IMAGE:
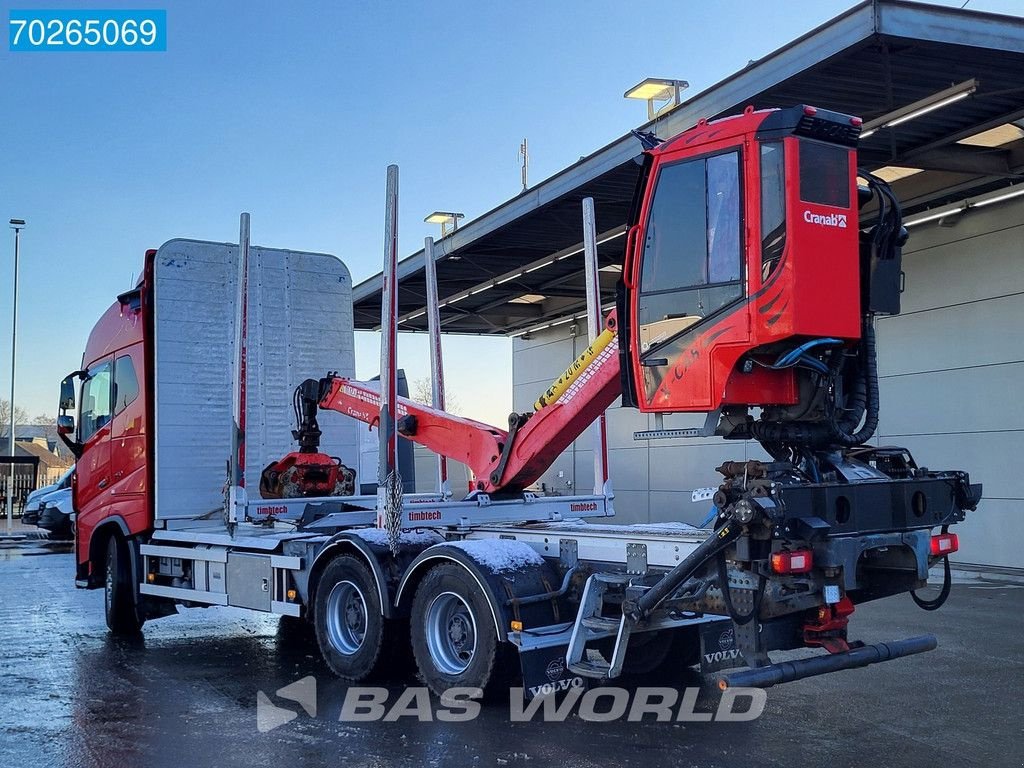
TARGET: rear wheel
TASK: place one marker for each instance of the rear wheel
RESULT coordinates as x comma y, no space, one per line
453,636
350,628
118,594
667,654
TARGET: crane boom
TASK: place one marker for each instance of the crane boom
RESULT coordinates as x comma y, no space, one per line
500,460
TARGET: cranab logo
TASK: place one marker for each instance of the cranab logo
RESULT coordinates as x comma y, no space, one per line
829,220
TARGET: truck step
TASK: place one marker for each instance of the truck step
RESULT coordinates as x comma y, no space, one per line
612,578
602,624
597,670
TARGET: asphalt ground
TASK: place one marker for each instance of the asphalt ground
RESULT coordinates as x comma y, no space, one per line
185,694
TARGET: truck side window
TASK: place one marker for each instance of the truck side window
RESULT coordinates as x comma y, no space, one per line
126,385
95,401
692,258
773,206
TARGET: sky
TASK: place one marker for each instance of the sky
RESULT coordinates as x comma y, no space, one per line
292,111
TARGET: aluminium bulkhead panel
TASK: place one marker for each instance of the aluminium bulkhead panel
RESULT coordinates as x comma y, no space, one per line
299,326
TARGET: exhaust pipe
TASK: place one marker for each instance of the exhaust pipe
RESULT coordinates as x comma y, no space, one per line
788,671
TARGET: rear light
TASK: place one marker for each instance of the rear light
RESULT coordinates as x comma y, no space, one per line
856,122
945,544
810,111
797,561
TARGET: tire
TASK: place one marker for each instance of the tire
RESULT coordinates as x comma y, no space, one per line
454,640
666,654
118,591
353,636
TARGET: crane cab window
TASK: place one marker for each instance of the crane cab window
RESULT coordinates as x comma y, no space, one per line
96,409
824,174
773,206
692,255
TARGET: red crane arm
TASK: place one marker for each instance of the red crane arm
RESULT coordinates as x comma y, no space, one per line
500,460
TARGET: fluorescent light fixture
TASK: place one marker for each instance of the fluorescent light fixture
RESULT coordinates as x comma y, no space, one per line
421,313
979,202
995,137
893,173
611,268
921,107
930,108
998,198
935,216
504,280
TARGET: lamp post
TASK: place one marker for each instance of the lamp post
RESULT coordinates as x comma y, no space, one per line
655,89
16,225
445,218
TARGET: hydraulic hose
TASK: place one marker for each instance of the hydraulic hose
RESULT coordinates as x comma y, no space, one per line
862,405
947,584
671,581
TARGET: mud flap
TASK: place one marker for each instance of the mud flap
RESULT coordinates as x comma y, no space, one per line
718,649
545,671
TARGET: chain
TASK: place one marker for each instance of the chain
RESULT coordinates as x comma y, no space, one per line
393,509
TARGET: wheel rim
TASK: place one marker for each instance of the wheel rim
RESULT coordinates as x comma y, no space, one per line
346,618
451,633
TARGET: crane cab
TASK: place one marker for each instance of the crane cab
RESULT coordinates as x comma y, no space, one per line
743,244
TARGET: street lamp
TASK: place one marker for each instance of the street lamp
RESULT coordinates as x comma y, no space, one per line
657,89
445,218
17,225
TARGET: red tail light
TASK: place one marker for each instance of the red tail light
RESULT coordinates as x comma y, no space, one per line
945,544
797,561
810,111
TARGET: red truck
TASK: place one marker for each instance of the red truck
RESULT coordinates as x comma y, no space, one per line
749,286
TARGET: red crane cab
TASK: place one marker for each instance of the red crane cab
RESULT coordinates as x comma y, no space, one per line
744,241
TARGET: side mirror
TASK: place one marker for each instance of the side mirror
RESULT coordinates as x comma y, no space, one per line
67,393
65,424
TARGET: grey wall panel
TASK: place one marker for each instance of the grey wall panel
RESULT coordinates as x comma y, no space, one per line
677,507
621,423
977,259
991,536
631,507
964,400
687,468
629,469
540,361
984,332
988,457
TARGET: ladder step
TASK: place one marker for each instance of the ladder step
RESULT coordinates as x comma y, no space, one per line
612,578
601,624
594,669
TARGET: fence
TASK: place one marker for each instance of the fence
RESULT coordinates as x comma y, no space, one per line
26,472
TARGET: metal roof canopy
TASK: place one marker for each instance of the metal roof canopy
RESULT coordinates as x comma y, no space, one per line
874,59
